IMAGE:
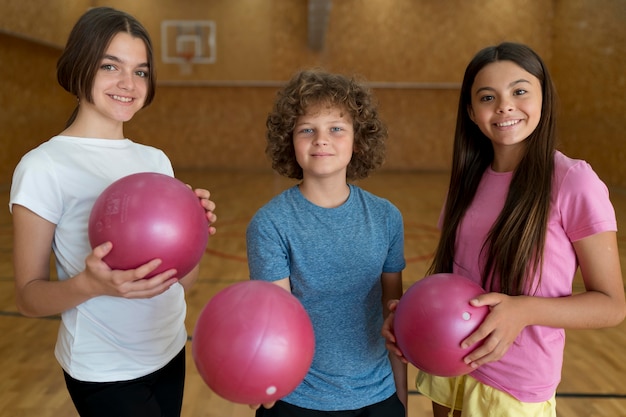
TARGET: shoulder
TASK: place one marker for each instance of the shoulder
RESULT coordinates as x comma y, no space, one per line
373,201
275,208
574,173
147,150
37,159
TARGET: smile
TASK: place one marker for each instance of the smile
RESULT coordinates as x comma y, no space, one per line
122,99
508,123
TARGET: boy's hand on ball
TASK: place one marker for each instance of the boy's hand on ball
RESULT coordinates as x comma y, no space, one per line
257,406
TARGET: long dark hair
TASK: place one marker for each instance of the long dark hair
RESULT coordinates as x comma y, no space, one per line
85,48
515,243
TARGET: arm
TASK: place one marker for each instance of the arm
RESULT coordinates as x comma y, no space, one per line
392,290
36,295
600,305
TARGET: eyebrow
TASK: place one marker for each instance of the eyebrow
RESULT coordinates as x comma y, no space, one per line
521,80
116,59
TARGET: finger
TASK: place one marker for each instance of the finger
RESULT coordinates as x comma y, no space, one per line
392,305
211,217
484,352
148,288
490,299
102,250
202,193
393,348
147,268
387,333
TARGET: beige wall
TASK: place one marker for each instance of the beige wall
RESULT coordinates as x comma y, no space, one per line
412,51
589,67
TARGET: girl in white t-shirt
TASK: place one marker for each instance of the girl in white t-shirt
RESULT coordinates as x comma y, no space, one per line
121,340
520,219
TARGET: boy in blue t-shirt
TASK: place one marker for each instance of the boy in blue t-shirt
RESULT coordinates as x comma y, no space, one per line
336,247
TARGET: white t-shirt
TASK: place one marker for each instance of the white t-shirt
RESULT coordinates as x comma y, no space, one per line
105,338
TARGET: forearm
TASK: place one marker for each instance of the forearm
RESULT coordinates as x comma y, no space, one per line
400,377
42,297
588,310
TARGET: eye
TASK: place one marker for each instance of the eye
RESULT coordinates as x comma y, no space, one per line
108,67
141,73
520,92
486,98
336,129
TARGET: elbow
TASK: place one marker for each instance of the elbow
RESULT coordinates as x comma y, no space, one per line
25,309
622,314
618,315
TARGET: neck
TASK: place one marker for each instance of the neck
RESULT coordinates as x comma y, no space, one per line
88,125
327,194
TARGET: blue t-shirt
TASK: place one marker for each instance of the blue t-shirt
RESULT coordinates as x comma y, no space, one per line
334,258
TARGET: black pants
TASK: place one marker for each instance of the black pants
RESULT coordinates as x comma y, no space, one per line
391,407
159,394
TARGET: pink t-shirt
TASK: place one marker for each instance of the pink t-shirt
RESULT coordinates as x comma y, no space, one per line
531,369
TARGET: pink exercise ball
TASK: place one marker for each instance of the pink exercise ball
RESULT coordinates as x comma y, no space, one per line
253,343
147,216
432,319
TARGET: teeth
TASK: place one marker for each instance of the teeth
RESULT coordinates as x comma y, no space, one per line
123,99
509,123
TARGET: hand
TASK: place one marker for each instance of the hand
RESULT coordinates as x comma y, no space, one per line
209,206
266,405
499,330
388,334
102,280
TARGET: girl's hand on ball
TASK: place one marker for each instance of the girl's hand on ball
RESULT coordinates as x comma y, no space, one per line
209,206
500,328
388,334
102,280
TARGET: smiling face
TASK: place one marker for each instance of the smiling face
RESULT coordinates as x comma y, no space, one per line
121,82
323,140
506,104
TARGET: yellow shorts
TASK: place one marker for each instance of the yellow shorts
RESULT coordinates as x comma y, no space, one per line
476,399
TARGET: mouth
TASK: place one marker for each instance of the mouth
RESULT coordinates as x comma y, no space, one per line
121,99
508,123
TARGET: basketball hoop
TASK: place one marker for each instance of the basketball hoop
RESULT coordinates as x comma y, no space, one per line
185,64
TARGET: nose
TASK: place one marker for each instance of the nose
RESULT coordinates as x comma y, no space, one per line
505,105
126,80
320,139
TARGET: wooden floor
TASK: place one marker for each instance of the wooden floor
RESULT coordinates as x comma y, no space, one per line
594,374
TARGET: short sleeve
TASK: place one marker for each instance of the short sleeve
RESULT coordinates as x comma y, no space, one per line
35,186
584,204
267,251
395,261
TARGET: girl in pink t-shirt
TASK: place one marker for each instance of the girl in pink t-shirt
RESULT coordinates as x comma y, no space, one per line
520,219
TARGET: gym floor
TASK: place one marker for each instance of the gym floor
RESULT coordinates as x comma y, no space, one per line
32,384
